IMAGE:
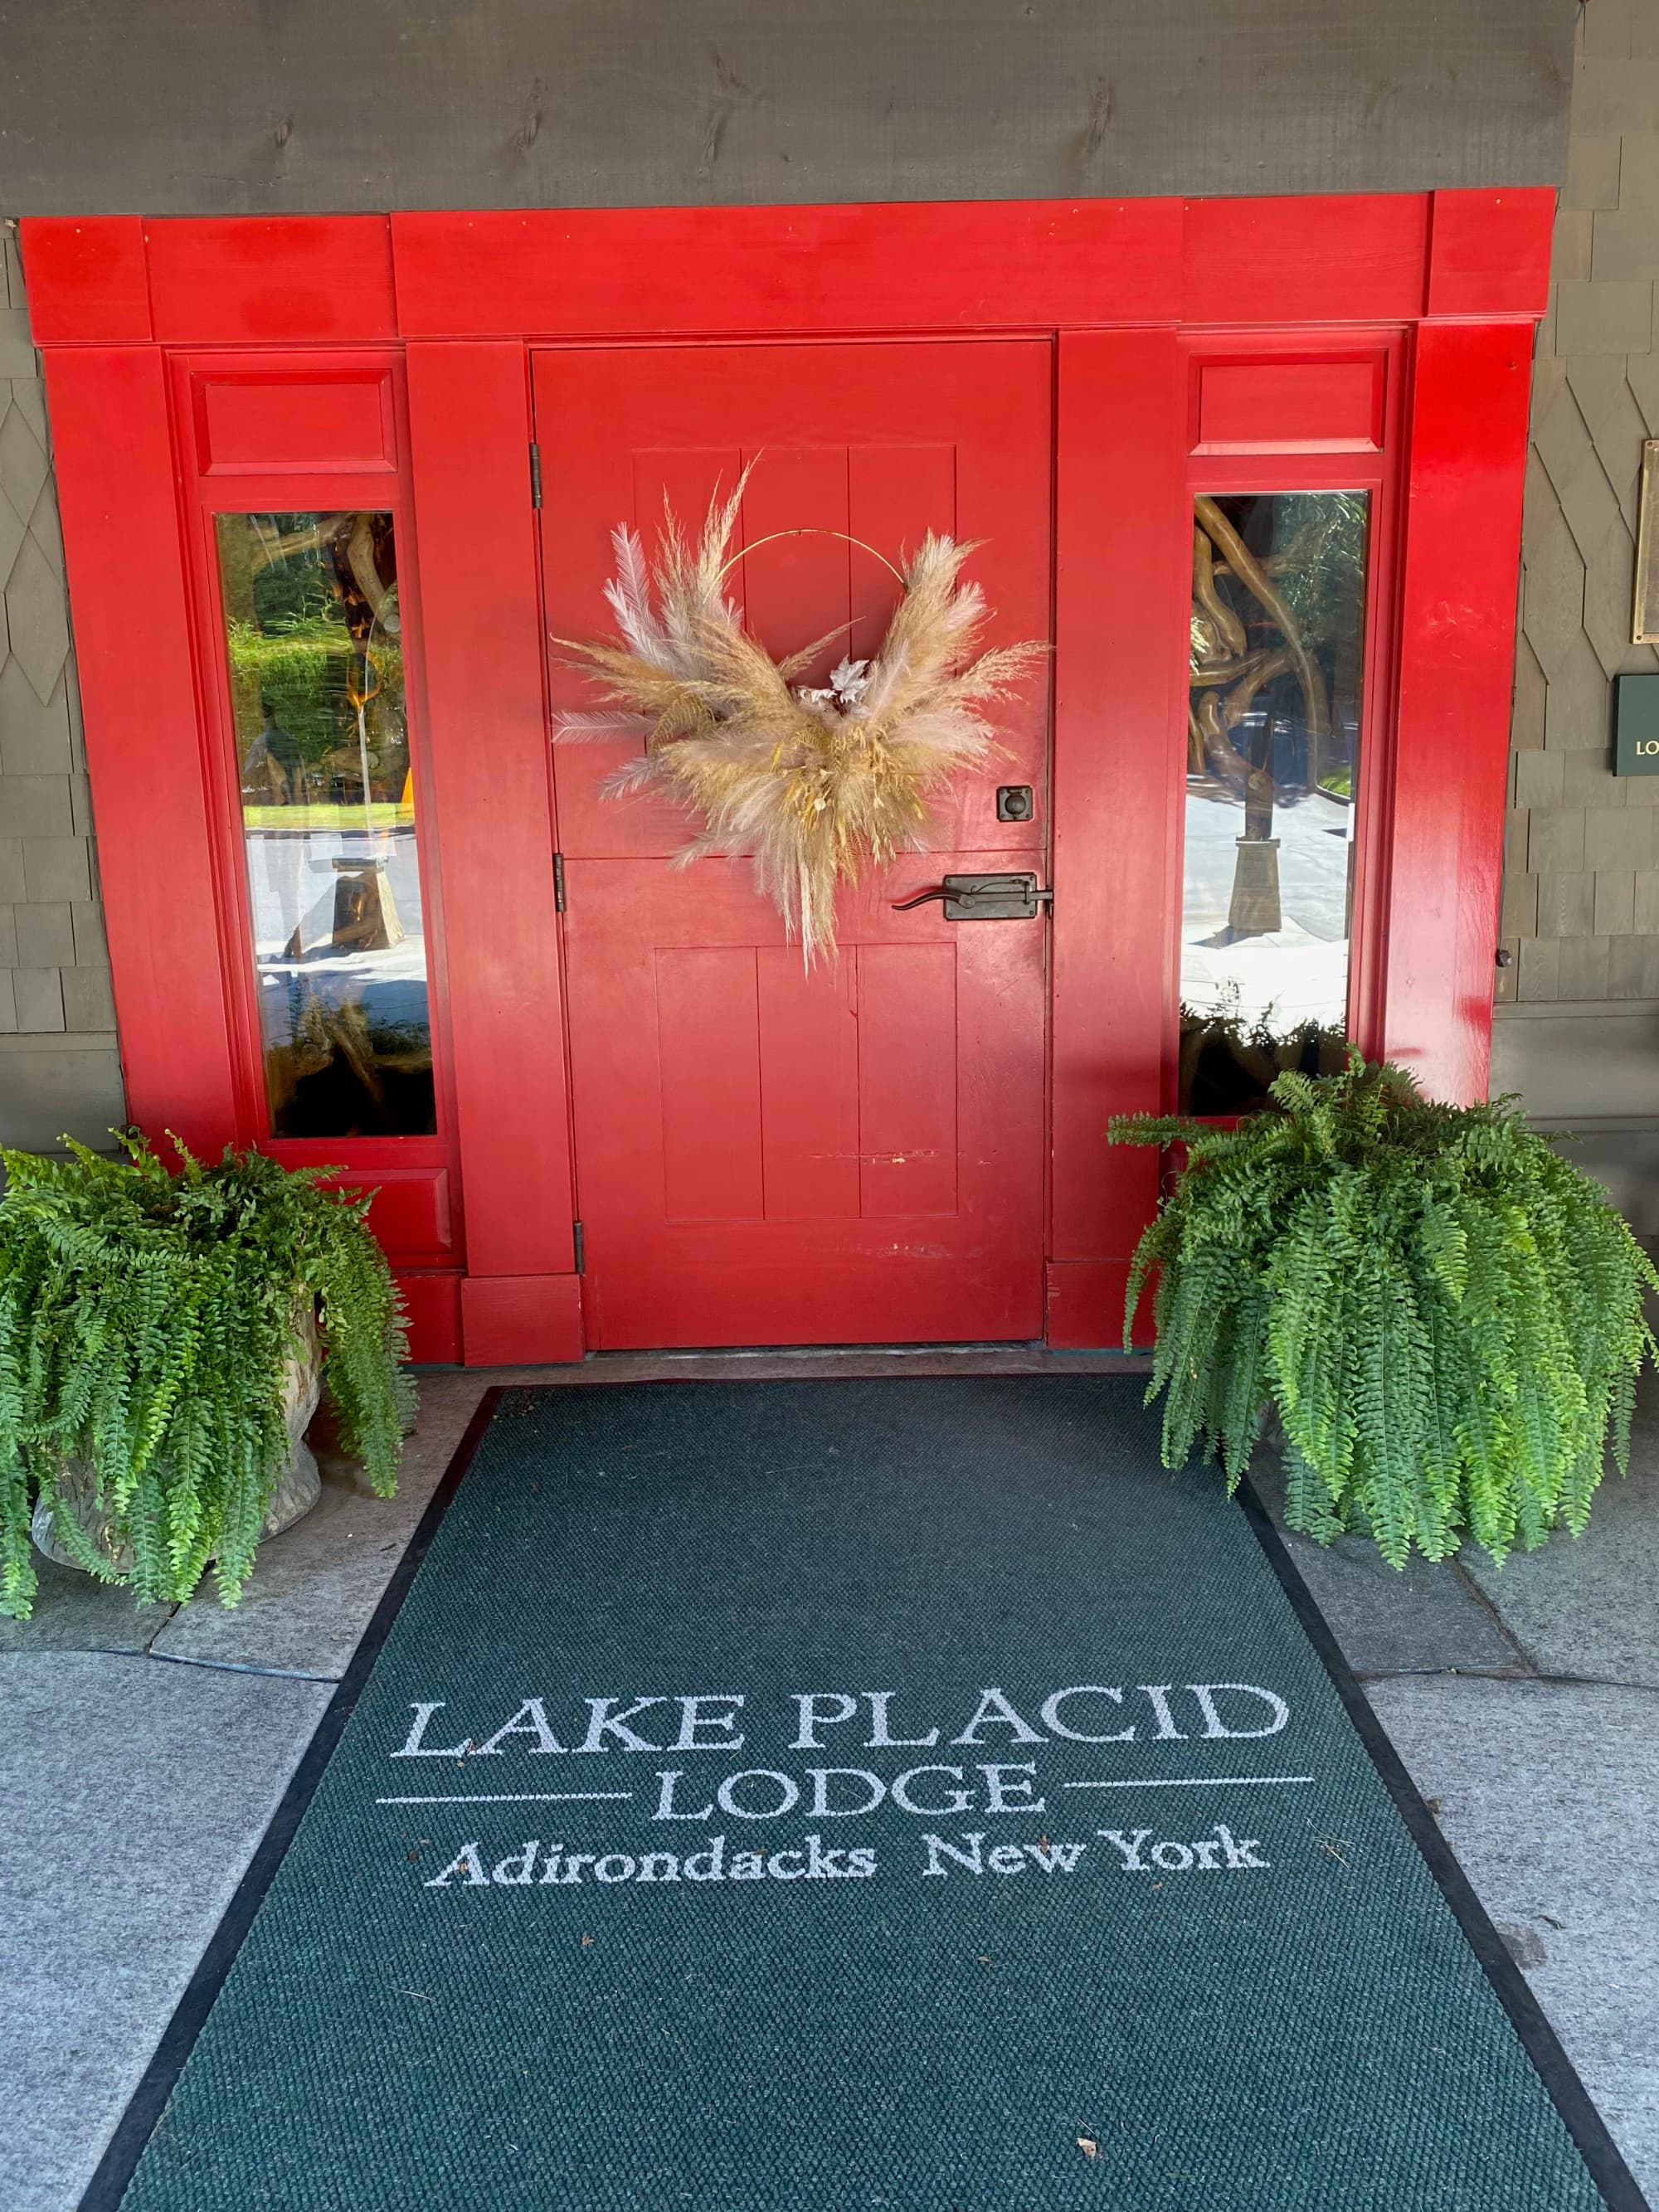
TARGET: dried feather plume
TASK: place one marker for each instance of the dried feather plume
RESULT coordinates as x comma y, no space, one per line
819,785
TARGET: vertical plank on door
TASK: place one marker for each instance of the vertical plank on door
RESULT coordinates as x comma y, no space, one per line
709,1046
895,495
810,1087
796,588
907,1007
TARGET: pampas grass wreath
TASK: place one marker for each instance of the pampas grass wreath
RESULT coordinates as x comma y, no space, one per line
819,785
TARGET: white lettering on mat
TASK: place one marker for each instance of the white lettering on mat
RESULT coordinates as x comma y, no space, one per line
1030,1741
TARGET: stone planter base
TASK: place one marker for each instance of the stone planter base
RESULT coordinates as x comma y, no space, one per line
298,1487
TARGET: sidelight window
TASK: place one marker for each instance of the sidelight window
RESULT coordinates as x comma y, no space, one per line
314,637
1277,655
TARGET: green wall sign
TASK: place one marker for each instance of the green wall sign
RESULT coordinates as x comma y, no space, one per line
1635,725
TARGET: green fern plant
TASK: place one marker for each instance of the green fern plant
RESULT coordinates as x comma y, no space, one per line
146,1320
1446,1315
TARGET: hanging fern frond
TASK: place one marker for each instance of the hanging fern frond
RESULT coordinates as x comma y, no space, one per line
147,1319
1446,1315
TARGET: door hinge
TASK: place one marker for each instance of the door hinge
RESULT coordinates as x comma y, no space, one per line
576,1246
558,883
535,474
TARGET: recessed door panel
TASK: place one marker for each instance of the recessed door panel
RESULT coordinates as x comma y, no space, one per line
766,1155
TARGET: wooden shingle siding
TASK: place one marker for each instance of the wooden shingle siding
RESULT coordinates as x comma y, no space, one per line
58,1064
617,103
1580,906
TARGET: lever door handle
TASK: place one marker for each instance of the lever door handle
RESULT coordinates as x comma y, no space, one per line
1014,898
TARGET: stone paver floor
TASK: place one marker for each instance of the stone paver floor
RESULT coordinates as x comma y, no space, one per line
142,1753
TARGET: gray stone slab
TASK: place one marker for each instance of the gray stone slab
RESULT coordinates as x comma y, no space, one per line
132,1798
1548,1793
1419,1618
73,1613
314,1589
1585,1608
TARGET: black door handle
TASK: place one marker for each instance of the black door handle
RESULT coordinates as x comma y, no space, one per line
984,898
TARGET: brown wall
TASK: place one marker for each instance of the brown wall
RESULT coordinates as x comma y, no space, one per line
239,107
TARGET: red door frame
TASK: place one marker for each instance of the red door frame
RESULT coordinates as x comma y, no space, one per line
1139,297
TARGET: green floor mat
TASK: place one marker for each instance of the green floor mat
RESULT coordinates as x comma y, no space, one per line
851,1796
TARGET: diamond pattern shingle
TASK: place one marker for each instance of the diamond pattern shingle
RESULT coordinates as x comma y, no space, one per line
22,461
1591,924
37,619
54,972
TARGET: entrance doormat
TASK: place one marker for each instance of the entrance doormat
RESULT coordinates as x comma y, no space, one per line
853,1796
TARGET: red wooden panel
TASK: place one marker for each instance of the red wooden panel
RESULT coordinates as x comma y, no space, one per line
432,1304
895,495
935,1065
809,1038
1467,458
119,499
636,486
794,1279
796,588
709,1053
521,1320
1123,554
481,630
410,1212
1085,1305
907,1076
86,278
1289,406
1356,256
1489,253
307,422
300,278
636,272
897,486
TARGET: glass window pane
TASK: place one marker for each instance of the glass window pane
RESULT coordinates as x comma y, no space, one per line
315,645
1278,630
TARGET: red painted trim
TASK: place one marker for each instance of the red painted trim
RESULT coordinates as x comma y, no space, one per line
1119,652
615,273
1489,253
87,280
115,490
1348,257
521,1321
264,280
432,1304
627,272
469,409
1085,1303
1470,391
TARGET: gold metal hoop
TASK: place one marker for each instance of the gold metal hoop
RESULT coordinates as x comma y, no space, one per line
809,530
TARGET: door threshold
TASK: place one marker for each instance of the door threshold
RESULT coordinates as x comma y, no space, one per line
807,1362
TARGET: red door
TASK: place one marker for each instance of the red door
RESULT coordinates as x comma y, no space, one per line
763,1156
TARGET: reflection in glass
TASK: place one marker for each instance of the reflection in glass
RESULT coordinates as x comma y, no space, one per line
314,640
1273,758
